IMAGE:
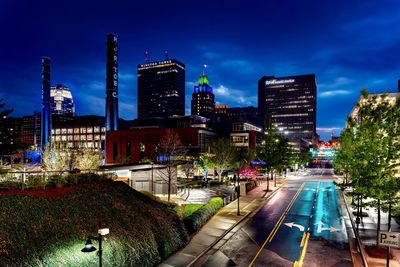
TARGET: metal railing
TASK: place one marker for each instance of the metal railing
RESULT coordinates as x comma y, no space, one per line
36,179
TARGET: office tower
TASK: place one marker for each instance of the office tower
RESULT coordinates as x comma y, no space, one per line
234,114
61,100
46,112
31,130
112,83
161,89
203,103
289,103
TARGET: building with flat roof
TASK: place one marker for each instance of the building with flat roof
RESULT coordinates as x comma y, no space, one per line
289,103
132,146
161,89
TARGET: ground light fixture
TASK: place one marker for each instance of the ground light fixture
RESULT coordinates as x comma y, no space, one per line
89,247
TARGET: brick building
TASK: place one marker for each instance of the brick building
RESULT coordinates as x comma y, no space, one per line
130,146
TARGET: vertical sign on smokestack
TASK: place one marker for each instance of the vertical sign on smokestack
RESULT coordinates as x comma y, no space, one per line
46,112
112,83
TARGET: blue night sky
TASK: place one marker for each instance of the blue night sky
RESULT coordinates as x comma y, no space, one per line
349,45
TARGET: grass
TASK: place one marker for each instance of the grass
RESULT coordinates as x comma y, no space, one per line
185,210
41,231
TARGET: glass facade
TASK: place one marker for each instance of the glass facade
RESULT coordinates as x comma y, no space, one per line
289,103
61,100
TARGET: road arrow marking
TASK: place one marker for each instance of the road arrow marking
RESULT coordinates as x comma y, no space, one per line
330,229
301,227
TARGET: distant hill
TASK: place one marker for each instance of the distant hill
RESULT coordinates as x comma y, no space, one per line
51,231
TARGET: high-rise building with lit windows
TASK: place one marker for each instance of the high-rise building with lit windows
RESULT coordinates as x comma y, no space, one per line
203,103
161,89
61,100
289,103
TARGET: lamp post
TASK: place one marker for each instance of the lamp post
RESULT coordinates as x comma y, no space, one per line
236,178
89,244
152,178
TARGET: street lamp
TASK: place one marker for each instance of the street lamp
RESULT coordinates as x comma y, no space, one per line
152,178
236,178
89,244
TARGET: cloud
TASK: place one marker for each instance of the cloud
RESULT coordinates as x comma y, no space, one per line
234,96
334,93
337,82
126,76
329,129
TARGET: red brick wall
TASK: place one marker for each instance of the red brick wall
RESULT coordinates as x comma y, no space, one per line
149,137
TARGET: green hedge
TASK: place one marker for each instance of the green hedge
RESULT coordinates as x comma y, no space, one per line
195,221
51,232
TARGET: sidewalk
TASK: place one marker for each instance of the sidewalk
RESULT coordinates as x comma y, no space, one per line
375,257
220,226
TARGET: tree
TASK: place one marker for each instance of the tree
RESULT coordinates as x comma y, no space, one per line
58,157
188,169
170,151
370,151
344,155
89,159
204,163
248,172
275,151
223,154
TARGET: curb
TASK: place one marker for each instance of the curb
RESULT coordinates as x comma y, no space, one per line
230,229
359,244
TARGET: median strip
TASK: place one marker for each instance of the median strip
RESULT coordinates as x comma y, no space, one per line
303,252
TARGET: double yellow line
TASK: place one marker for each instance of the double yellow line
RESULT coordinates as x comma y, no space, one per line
278,224
303,244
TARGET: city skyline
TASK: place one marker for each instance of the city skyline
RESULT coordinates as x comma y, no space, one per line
353,46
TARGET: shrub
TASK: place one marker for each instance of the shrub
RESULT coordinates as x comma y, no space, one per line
195,221
35,181
251,184
51,232
55,180
215,183
84,178
185,210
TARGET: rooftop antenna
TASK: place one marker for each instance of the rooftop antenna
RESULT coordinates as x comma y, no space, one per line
204,68
146,56
166,54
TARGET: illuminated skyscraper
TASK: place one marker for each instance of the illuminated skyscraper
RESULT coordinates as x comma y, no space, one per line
46,106
203,103
161,89
61,100
112,83
290,104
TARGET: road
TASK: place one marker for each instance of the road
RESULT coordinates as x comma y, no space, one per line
305,208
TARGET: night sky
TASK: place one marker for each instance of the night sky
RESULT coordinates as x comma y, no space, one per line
349,45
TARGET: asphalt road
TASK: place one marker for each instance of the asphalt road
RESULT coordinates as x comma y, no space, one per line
305,207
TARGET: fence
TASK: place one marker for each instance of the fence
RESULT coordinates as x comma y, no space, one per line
42,179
